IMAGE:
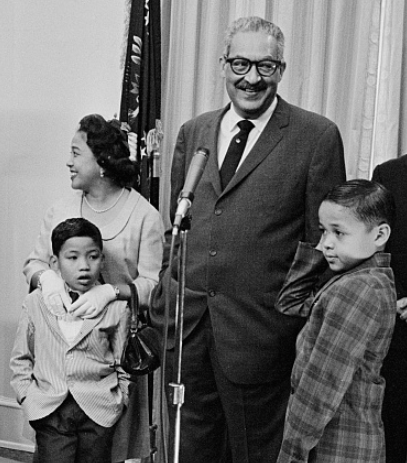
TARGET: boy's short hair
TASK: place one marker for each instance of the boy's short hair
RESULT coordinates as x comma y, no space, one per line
370,202
72,228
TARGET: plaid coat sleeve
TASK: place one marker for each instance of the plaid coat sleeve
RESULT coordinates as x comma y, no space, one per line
297,292
342,333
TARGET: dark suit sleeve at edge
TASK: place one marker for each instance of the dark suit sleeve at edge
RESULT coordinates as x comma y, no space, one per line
327,169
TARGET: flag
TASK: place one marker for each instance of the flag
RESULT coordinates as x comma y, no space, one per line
141,92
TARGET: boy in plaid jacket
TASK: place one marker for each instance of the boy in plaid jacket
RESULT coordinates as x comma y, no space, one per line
334,411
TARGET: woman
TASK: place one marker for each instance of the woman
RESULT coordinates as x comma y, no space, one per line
132,230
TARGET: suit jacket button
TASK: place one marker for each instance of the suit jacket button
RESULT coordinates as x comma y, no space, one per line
218,211
211,293
213,252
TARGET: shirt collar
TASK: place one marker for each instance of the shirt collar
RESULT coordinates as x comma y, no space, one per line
378,259
232,117
68,289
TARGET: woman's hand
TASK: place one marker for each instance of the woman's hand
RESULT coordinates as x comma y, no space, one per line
402,308
91,303
53,292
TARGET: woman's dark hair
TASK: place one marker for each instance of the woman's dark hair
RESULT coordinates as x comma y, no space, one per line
370,202
72,228
110,147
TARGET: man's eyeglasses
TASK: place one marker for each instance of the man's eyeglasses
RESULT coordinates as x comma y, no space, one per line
265,67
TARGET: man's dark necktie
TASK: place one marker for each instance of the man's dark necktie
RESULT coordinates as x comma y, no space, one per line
234,152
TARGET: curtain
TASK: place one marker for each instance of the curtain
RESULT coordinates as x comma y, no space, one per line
345,60
387,127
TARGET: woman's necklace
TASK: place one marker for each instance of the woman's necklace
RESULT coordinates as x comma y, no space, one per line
100,211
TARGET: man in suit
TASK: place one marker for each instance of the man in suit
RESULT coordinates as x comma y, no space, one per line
393,175
238,350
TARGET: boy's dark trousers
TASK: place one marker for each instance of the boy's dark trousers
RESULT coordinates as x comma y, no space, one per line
68,435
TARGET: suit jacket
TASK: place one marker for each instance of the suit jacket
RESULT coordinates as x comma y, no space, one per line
334,411
45,367
393,175
243,239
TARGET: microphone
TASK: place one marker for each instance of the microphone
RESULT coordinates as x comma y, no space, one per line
194,175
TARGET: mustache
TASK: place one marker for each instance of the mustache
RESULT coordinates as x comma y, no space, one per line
256,88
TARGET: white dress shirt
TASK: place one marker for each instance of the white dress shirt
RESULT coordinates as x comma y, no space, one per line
229,128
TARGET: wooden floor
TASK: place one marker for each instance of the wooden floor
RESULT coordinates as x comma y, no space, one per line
12,456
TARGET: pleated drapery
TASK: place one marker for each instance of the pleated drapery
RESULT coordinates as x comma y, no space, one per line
344,60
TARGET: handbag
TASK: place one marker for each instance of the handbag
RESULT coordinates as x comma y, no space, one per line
141,353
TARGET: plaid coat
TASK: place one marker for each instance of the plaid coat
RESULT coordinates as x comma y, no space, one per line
334,411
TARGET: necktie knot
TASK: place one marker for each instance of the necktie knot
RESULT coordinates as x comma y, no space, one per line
245,125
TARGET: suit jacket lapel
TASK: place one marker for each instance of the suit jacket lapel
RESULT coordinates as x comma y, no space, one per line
266,143
88,325
51,320
211,138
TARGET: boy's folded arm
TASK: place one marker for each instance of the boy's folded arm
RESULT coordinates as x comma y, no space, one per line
307,267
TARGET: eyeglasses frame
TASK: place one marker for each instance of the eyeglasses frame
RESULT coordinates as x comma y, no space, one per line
279,63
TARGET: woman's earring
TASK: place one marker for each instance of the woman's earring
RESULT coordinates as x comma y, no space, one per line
102,174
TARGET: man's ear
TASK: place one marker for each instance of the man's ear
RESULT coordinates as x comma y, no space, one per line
282,69
383,234
222,64
54,263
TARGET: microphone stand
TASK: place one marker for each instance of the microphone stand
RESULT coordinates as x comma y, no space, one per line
178,388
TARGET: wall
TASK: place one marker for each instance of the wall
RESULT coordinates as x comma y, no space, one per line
60,61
